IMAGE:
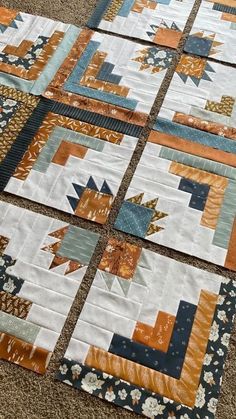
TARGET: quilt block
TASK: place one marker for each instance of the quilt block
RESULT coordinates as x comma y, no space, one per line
213,32
42,263
71,165
32,49
182,194
204,93
111,76
159,21
148,344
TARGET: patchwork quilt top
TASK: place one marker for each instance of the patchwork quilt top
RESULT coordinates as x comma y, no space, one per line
148,344
159,21
153,333
213,32
42,263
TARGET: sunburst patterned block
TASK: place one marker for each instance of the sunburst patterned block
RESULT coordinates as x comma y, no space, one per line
159,21
70,164
152,336
182,193
32,49
213,31
42,263
111,76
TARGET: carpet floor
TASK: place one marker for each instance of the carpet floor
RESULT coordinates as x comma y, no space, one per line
24,394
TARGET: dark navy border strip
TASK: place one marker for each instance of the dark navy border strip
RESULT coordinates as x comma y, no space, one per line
19,147
224,8
97,119
96,17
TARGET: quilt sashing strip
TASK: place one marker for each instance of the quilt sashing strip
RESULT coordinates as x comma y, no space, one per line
111,76
147,345
32,49
160,22
213,31
182,195
42,263
69,164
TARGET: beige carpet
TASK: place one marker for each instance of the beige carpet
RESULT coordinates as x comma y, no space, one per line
24,394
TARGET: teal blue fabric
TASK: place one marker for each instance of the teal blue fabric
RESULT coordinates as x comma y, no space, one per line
195,135
134,219
198,162
226,218
78,244
56,60
126,8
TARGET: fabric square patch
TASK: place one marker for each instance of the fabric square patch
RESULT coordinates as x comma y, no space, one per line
159,21
15,110
134,218
70,164
213,31
111,76
202,96
32,49
184,173
42,263
148,344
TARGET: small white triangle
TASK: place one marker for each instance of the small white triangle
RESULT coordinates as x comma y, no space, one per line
61,269
116,288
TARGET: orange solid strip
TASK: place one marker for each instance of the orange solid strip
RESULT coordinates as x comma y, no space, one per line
183,390
229,17
186,146
67,149
19,51
230,261
24,354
